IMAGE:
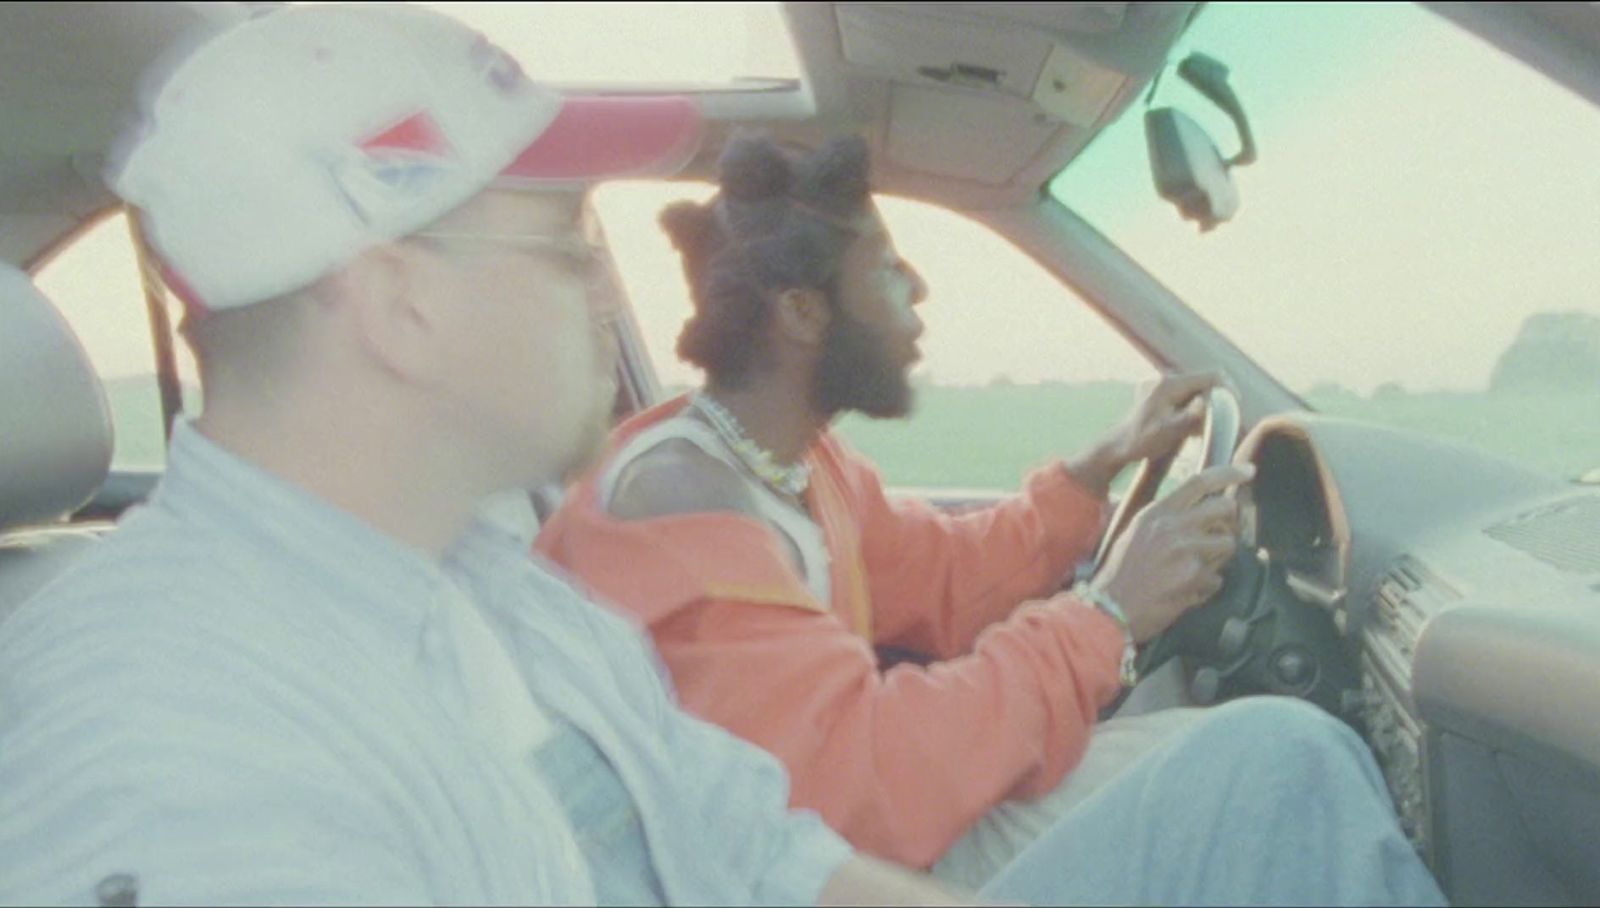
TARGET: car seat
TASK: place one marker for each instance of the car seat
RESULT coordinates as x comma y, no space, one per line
55,441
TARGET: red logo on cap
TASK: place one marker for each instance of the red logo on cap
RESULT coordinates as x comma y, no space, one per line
417,132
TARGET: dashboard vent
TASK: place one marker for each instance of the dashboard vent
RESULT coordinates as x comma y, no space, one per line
1405,598
1565,535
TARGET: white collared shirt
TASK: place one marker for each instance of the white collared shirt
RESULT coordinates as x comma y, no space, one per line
246,695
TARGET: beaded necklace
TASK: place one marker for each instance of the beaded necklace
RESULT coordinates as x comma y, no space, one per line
791,480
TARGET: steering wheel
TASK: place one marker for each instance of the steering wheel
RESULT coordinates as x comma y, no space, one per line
1218,435
1255,634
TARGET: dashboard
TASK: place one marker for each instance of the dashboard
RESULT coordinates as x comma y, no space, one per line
1447,605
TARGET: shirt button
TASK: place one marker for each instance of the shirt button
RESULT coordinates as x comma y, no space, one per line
120,890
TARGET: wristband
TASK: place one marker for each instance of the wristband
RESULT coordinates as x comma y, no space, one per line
1102,601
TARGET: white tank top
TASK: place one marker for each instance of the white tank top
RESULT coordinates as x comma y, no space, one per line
777,513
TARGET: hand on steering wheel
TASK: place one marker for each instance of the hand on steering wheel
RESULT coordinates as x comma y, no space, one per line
1161,560
1170,558
1200,399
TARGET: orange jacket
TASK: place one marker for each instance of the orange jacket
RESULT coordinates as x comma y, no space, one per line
900,762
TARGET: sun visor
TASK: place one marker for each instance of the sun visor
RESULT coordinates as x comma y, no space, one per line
985,53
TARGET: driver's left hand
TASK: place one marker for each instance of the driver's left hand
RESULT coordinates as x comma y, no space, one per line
1169,412
1165,414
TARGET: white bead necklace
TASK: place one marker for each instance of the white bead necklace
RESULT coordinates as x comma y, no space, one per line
790,480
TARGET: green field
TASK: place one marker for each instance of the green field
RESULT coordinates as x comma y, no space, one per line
988,438
136,419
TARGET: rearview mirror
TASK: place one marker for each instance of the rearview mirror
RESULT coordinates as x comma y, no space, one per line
1189,171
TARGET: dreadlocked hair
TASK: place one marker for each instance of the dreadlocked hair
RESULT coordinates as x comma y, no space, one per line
781,221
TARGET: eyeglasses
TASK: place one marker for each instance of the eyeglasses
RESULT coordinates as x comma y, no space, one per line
585,255
582,252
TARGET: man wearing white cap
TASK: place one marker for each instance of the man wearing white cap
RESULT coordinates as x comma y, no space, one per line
307,671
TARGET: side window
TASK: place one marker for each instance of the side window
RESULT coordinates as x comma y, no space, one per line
95,284
1016,369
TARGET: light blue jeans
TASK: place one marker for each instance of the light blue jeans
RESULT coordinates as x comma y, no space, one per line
1265,801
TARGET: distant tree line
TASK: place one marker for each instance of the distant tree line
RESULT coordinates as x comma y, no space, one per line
1554,351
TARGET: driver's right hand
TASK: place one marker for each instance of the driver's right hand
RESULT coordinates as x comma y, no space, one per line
1170,559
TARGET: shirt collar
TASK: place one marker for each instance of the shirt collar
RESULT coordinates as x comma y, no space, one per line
316,540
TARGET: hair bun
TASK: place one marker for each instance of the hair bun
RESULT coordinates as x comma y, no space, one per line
838,175
753,169
689,226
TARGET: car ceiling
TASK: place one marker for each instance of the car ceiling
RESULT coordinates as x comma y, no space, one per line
68,74
1028,84
1047,77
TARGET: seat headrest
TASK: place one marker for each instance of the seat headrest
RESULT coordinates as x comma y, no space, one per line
55,427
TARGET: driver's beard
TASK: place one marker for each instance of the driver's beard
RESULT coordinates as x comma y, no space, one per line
856,373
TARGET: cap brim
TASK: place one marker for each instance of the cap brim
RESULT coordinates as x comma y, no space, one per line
598,138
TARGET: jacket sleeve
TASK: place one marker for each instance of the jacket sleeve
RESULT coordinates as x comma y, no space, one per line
901,763
936,579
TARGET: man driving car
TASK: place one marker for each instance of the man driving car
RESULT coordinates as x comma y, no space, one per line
768,561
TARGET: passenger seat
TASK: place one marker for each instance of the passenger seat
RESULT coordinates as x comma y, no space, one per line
55,441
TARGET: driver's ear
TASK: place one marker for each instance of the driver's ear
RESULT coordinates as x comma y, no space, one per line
802,316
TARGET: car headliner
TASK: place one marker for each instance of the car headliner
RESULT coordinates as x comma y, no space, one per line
68,73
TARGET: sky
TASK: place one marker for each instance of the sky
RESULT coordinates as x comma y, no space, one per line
1418,195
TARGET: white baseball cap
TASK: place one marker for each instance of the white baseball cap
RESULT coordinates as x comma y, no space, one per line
281,148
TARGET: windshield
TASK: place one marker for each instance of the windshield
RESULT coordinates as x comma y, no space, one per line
1419,243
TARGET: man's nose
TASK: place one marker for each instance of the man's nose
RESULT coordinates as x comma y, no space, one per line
919,287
